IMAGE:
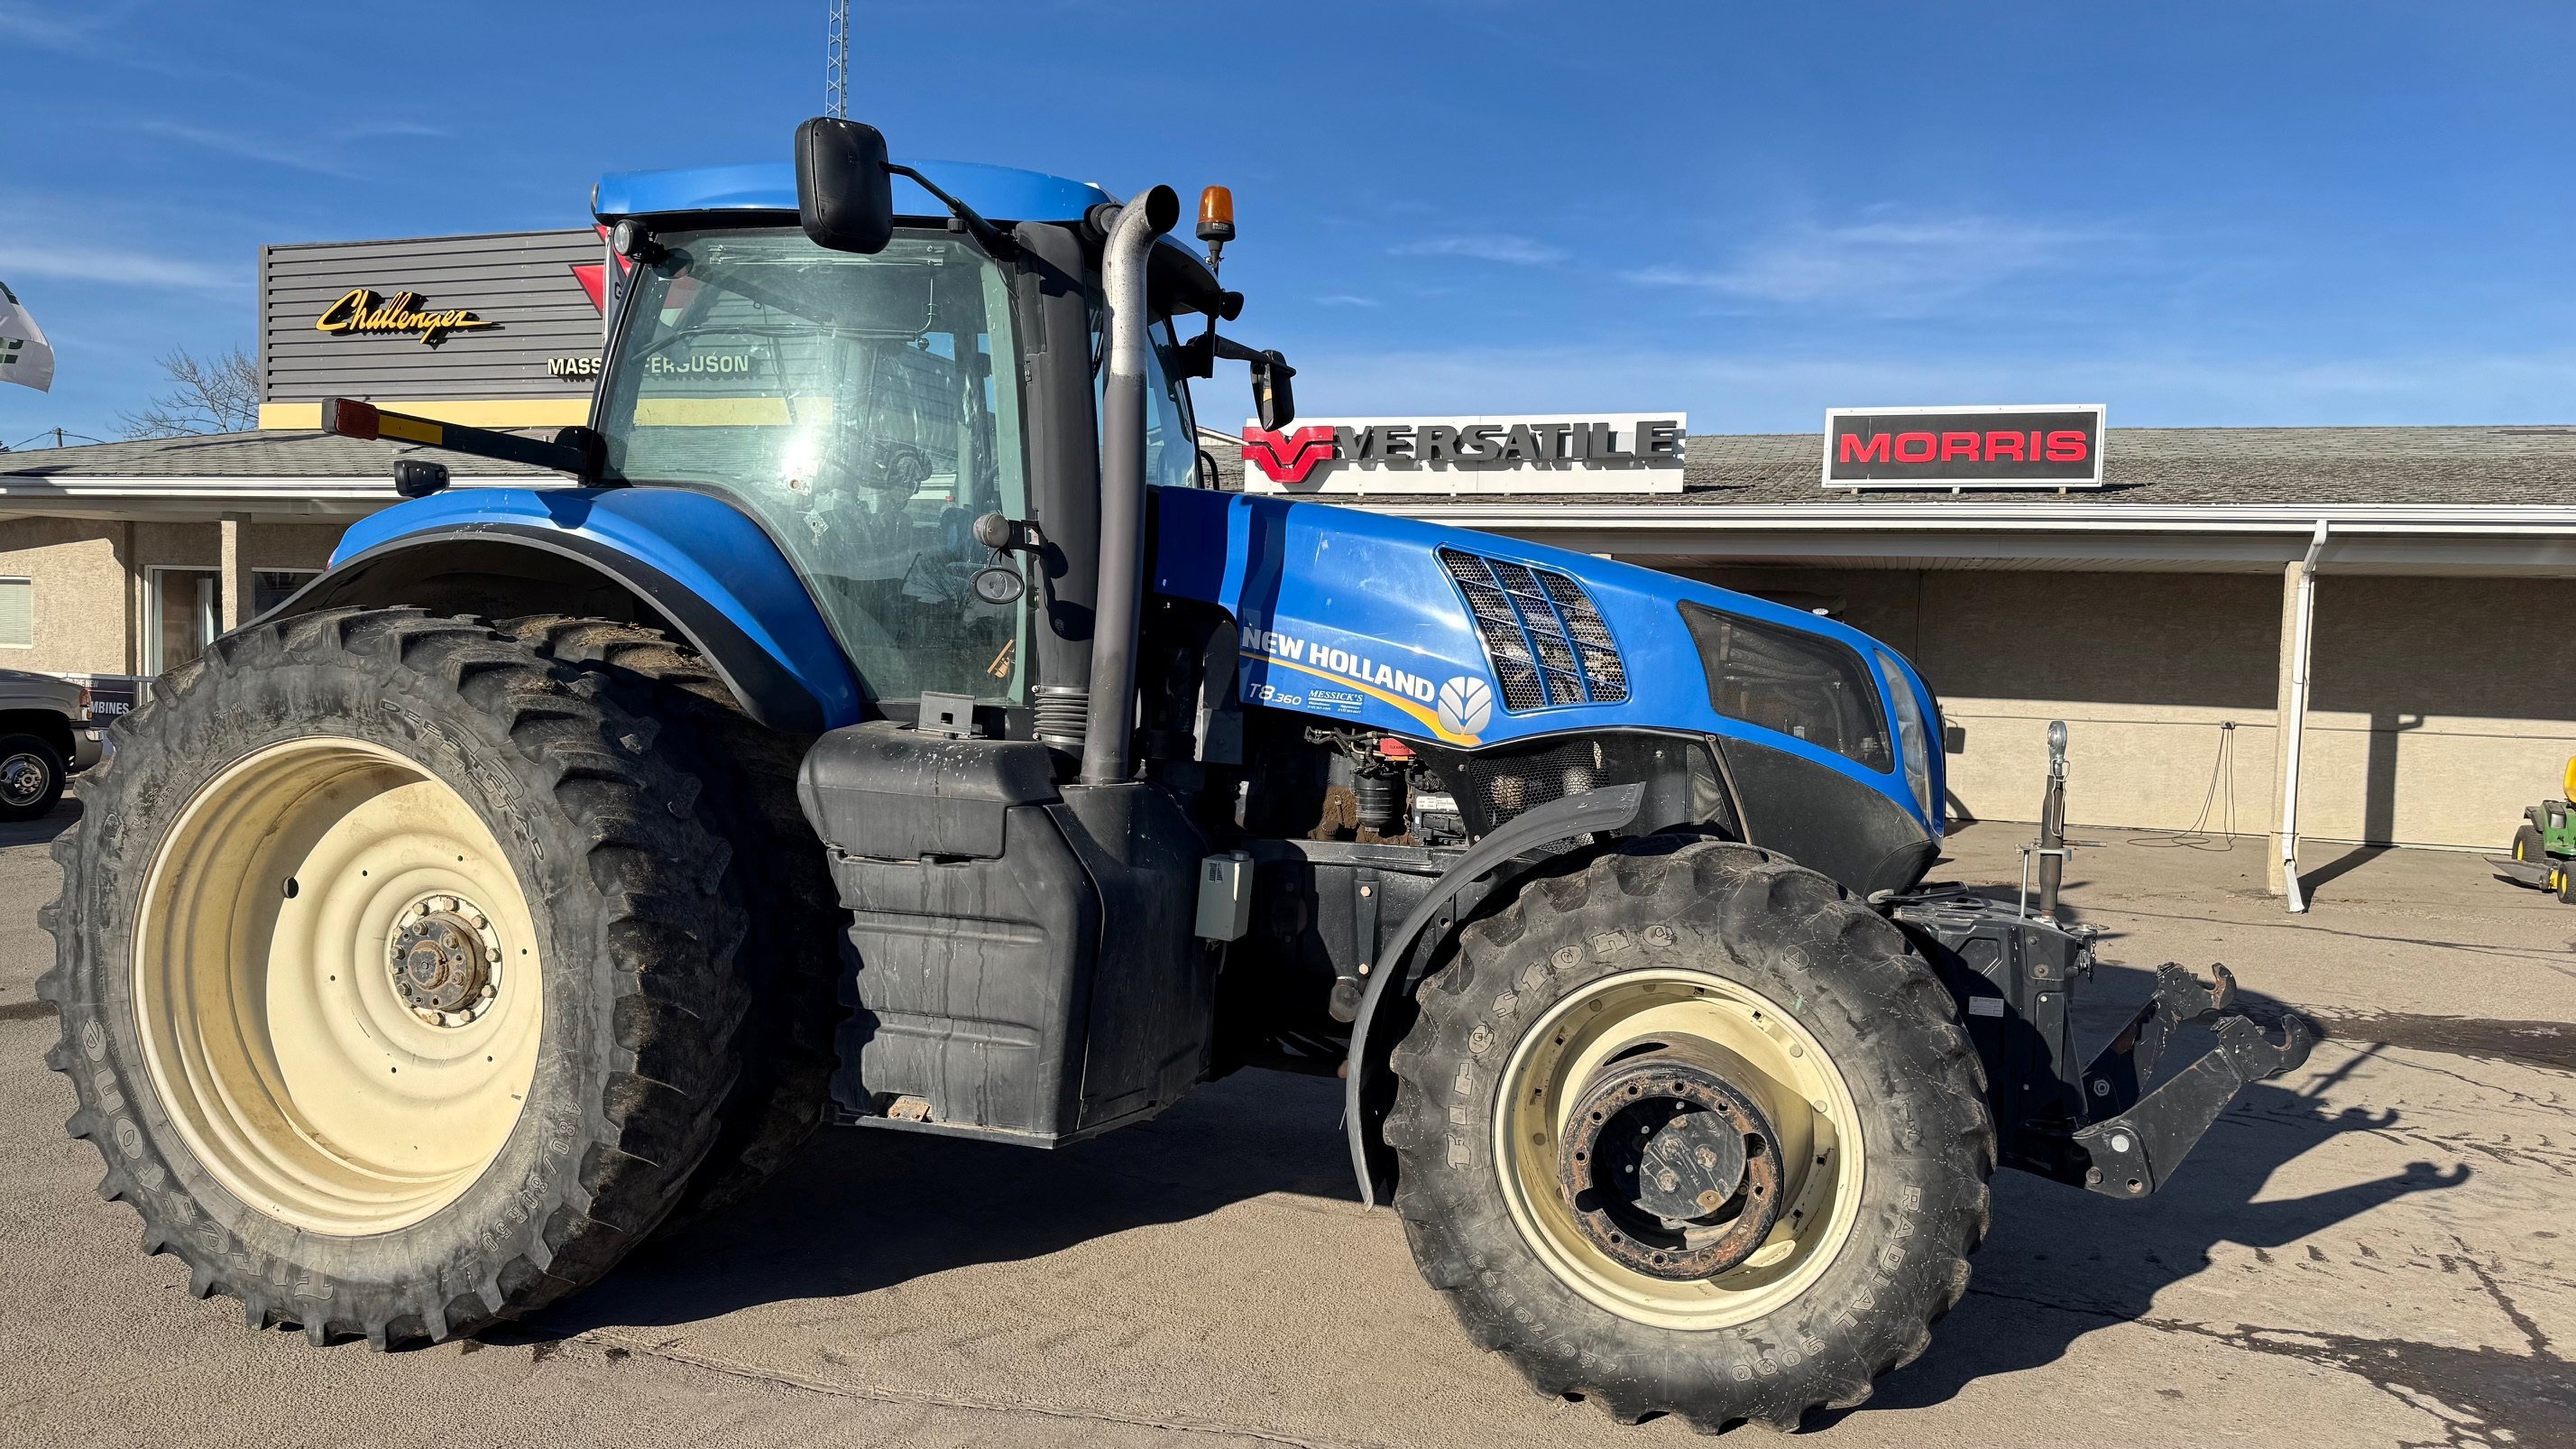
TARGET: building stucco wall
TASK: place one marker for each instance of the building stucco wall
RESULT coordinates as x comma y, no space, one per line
2437,709
91,580
82,604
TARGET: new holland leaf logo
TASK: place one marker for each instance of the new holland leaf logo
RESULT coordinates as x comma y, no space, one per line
1287,457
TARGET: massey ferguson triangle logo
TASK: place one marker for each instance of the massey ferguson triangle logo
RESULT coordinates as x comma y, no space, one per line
1287,457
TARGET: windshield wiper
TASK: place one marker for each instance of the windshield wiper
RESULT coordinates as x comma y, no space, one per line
964,217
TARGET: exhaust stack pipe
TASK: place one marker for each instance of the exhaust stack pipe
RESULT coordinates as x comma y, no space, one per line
1106,759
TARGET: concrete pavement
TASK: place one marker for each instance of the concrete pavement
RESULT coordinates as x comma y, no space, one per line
2380,1250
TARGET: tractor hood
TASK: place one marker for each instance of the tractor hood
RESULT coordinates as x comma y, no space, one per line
1473,640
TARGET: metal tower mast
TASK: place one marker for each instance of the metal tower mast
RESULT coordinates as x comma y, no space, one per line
836,68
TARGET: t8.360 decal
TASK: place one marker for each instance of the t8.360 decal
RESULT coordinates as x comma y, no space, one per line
1451,709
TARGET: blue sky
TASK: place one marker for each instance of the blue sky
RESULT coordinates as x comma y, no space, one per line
2236,213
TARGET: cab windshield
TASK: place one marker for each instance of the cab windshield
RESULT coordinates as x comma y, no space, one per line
850,403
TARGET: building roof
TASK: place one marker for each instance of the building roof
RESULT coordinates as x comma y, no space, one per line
278,453
2280,467
2287,467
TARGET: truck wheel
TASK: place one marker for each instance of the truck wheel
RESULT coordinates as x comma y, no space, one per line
1685,1129
31,777
792,949
397,994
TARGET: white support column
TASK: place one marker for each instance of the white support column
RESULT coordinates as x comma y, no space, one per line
2298,643
236,586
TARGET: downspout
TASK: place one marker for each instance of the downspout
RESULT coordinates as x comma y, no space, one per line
2294,729
1120,602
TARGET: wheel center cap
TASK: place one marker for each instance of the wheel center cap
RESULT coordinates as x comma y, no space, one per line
1669,1169
444,961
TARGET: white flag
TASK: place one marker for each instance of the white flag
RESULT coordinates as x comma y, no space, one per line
25,355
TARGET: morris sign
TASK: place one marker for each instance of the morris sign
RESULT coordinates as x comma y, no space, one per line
1555,453
1964,447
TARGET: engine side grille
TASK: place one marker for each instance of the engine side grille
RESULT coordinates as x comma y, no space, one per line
1542,635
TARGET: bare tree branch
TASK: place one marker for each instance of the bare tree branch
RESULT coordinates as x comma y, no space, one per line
207,395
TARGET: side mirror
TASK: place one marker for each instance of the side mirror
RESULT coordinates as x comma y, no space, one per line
1272,398
844,194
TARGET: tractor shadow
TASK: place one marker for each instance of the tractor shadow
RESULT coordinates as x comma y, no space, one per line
866,1209
43,829
862,1208
2060,1262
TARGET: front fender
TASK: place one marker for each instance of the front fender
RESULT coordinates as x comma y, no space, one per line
694,559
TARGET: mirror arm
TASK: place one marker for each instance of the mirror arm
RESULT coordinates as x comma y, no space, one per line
995,240
1199,356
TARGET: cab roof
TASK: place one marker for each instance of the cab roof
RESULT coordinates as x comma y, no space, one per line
999,193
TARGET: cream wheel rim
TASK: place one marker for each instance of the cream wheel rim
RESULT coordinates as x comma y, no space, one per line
311,1076
1762,1053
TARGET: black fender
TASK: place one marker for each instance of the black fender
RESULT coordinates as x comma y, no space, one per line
500,570
1594,812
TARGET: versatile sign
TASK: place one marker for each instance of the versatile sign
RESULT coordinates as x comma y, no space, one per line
1619,453
1964,447
359,312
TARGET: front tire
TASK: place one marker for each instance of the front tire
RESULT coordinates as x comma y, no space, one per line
396,976
1685,1129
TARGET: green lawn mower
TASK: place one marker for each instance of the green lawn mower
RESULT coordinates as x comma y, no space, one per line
2544,846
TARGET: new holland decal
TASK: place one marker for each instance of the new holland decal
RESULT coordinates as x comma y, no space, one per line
1454,710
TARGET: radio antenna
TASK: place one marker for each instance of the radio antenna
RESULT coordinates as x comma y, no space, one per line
836,64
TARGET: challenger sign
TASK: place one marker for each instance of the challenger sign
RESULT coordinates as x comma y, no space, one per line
1622,453
1964,447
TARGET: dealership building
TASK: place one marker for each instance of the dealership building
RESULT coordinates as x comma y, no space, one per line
2153,603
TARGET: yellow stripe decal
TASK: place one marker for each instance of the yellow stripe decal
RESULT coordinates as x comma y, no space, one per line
410,430
1430,720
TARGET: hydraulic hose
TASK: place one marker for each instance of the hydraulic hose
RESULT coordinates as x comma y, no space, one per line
1106,758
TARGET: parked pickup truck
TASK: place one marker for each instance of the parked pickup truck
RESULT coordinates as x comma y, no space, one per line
45,737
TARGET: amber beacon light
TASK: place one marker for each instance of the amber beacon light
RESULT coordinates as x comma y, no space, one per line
1216,215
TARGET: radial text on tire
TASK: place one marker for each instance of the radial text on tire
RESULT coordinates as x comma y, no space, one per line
396,975
1685,1129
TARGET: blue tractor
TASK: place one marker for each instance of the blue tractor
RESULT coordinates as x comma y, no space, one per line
890,724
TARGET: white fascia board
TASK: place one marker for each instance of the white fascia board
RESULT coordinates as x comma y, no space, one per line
379,488
1973,517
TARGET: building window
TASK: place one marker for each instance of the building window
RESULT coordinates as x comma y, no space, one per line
187,614
272,587
17,613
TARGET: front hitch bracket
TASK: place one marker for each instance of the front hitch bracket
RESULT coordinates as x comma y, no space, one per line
2129,1149
2114,1126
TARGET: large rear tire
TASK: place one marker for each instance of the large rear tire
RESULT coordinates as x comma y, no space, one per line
791,953
396,978
1685,1129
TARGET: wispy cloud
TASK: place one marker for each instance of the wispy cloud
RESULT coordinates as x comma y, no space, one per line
1517,251
372,129
1888,266
1344,299
76,263
1756,391
56,31
249,148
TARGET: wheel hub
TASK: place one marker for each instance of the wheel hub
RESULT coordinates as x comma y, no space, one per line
22,779
1669,1169
444,961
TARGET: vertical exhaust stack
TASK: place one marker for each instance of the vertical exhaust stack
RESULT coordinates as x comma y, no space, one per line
1105,755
